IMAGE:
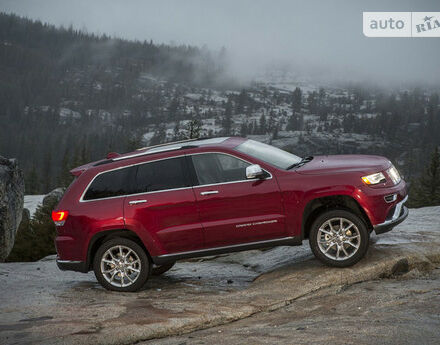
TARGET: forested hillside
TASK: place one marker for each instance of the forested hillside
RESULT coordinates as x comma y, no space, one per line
58,88
67,97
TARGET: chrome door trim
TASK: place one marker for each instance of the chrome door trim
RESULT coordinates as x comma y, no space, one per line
208,192
231,247
135,202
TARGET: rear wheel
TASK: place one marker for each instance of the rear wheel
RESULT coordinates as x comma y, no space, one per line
161,269
339,238
121,264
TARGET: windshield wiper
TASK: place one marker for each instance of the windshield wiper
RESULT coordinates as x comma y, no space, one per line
300,163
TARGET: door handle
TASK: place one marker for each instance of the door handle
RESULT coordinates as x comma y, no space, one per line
209,192
135,202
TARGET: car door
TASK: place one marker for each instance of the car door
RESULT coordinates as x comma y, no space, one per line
234,209
164,206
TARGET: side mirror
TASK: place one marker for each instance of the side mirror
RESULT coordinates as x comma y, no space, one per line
253,171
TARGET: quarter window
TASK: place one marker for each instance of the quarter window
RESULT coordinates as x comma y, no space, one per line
162,175
110,184
214,168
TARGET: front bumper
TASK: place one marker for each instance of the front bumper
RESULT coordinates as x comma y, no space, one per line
397,215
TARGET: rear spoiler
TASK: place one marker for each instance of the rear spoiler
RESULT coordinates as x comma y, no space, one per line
79,170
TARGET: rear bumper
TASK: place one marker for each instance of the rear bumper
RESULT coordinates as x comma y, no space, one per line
67,265
397,215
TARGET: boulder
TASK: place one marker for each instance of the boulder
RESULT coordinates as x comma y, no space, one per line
11,203
53,198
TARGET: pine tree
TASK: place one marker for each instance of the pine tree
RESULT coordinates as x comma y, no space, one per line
159,135
65,178
426,190
263,125
177,134
227,118
134,142
243,129
297,100
193,129
32,184
47,173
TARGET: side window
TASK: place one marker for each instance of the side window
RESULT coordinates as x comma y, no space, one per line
110,184
162,175
217,168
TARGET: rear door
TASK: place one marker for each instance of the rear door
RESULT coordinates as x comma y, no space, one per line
234,209
164,206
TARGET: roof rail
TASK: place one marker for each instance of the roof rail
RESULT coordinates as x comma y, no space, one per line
146,150
165,147
169,143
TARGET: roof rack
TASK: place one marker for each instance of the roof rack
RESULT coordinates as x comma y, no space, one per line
176,145
169,143
156,149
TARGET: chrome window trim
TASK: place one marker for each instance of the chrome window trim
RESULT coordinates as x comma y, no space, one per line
81,199
168,190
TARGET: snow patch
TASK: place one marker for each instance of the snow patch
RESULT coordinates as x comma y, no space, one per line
31,202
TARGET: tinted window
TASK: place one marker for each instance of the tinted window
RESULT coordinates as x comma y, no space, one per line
110,184
162,175
217,168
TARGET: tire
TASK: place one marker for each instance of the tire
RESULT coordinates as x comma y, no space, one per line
127,275
339,248
158,270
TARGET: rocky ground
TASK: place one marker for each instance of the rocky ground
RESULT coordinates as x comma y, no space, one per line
402,310
281,295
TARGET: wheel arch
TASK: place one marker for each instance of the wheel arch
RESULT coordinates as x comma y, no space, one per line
99,238
319,205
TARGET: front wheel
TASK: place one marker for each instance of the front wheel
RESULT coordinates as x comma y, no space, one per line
339,238
121,264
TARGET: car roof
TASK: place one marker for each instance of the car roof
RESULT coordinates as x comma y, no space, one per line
225,142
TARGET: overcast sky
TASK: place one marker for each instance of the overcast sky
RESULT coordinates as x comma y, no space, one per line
318,35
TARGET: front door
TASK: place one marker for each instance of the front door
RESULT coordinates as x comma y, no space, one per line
164,206
234,209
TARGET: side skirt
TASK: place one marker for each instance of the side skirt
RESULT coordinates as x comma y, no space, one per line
285,241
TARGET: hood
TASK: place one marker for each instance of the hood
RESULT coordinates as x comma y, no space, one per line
365,164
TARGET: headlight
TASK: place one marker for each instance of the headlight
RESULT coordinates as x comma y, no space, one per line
374,178
394,175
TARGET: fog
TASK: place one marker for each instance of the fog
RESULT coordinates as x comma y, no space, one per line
318,38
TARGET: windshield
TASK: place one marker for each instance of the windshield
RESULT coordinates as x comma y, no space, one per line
269,154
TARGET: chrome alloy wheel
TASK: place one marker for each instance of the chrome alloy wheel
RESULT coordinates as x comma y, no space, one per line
120,266
339,238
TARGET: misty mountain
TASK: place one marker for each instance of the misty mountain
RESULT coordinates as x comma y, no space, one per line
68,97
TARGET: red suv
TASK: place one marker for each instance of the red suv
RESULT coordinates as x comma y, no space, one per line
132,215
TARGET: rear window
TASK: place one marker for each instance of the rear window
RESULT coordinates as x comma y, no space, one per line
110,184
162,175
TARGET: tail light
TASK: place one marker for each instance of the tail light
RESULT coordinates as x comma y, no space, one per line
59,217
